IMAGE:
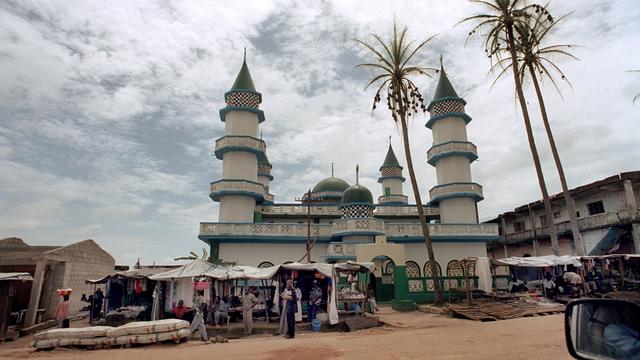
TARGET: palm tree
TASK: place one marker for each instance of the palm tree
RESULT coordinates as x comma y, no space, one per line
193,256
500,22
404,100
538,60
534,59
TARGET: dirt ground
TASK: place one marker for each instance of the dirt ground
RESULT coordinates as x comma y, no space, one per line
412,335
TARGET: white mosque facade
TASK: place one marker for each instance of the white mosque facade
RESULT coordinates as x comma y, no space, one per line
343,221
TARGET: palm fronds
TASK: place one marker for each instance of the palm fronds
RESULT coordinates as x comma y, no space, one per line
392,72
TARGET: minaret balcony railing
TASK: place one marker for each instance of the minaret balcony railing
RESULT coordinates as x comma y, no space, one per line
455,190
279,231
344,227
452,148
239,143
442,231
395,232
394,199
227,187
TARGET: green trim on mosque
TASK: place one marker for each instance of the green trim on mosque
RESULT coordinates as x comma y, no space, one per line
226,109
225,149
263,158
244,80
357,194
461,115
331,184
262,239
468,154
401,178
390,160
444,87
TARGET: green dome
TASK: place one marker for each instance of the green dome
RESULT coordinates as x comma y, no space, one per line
330,184
357,194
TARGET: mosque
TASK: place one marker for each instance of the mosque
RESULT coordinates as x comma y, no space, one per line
341,220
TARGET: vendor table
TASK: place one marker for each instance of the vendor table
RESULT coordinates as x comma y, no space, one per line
361,302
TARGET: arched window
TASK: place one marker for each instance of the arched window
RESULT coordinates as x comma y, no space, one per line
470,268
388,267
454,268
265,264
427,269
412,269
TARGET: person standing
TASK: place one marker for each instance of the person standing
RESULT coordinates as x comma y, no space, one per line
198,319
299,303
98,298
62,313
315,298
249,301
292,307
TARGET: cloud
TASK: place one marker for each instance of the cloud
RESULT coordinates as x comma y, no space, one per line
108,110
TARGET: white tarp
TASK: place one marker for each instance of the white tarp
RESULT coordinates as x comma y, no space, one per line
540,261
195,268
355,266
483,271
22,276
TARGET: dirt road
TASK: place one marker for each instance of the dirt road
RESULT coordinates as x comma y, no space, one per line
410,336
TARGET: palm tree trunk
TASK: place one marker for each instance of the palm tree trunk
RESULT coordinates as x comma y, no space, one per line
571,207
423,219
532,144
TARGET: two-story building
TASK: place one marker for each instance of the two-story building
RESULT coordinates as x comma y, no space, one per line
608,218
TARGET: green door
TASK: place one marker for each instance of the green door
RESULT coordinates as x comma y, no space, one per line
384,284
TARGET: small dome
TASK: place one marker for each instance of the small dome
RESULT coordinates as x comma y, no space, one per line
357,194
332,184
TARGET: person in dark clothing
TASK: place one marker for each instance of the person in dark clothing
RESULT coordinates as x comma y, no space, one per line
292,307
98,298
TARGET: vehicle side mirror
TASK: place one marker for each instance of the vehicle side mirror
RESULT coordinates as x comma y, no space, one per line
602,329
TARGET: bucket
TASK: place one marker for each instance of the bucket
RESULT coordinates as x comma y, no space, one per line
315,325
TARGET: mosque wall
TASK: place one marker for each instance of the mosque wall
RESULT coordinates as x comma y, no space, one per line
453,169
241,123
237,208
255,253
240,165
458,211
449,129
394,185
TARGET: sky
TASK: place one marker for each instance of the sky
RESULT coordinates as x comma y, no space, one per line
109,109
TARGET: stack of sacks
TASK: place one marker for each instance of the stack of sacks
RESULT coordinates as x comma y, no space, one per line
135,333
89,336
149,332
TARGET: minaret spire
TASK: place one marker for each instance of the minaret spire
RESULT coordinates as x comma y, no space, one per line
332,169
357,174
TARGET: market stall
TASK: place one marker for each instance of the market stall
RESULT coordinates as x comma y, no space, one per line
129,294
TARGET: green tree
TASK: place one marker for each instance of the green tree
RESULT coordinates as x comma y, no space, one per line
392,77
498,25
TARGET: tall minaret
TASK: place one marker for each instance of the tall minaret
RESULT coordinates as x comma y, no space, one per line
391,180
239,149
452,156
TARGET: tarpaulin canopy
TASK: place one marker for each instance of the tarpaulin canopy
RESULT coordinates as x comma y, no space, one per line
144,273
195,268
22,276
355,266
539,261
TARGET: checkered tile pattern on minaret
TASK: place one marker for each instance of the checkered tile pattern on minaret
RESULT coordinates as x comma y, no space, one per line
264,169
391,171
447,106
357,211
243,99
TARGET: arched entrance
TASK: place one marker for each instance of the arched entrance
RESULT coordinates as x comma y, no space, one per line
384,278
